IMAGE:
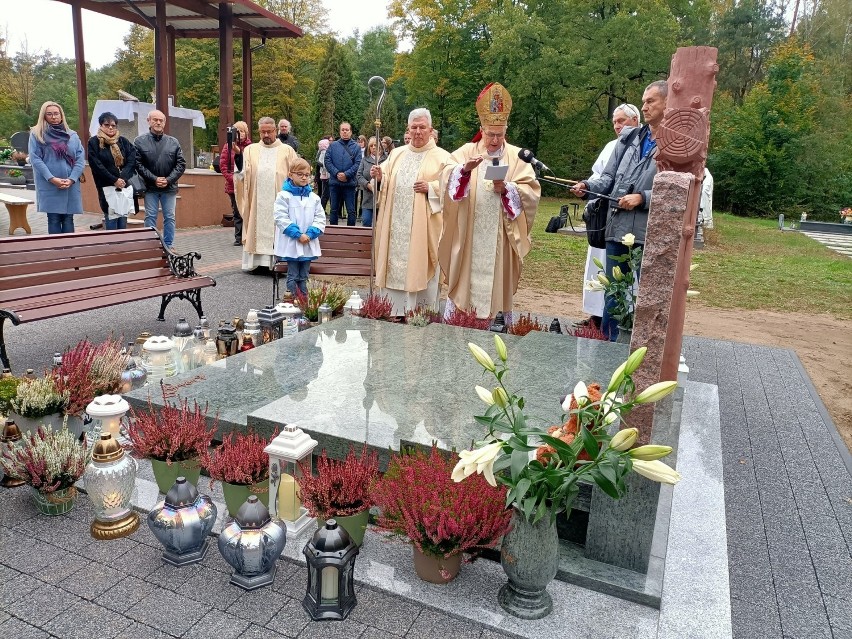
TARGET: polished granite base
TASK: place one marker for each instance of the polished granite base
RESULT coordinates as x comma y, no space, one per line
692,586
391,386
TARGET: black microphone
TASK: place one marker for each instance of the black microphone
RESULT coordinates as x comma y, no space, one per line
527,156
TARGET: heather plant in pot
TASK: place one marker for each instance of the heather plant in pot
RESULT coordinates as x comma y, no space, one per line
173,437
50,461
442,520
242,466
37,401
342,490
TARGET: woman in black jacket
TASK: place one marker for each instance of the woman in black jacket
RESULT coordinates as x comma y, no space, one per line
112,158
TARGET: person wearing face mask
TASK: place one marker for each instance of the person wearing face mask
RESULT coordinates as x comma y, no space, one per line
487,222
56,154
266,166
408,226
160,162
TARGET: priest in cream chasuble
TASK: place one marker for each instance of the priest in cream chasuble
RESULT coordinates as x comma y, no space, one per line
487,222
408,223
266,165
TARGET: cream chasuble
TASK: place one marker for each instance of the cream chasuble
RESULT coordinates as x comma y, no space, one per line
481,250
265,168
408,227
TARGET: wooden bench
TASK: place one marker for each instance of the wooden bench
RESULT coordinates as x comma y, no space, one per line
17,207
346,250
44,276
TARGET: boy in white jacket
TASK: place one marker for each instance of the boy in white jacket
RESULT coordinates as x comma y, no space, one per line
299,221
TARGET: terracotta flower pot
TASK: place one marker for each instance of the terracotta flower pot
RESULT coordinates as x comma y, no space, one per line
166,474
436,569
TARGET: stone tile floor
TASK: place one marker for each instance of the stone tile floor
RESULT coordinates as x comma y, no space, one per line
835,241
56,581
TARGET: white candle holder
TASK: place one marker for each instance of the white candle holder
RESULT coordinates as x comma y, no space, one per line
289,454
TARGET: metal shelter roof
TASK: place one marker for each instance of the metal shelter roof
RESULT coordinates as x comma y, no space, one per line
196,18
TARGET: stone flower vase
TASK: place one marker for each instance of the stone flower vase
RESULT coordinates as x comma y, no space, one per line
530,558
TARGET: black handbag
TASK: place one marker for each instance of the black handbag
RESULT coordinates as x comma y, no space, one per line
138,185
595,218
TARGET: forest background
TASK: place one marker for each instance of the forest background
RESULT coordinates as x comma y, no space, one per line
781,138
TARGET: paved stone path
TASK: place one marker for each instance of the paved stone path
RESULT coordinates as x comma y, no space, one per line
835,241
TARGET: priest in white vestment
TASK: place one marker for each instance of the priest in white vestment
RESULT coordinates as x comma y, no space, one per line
487,220
266,165
408,225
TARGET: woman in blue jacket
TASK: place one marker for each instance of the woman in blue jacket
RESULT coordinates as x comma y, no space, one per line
56,154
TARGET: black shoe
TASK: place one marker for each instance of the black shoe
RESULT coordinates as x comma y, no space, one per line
238,243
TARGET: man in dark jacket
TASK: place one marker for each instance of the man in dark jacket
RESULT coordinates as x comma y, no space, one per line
286,136
629,176
160,162
341,161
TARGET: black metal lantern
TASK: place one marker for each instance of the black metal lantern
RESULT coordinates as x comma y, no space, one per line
331,574
499,323
271,323
555,327
227,343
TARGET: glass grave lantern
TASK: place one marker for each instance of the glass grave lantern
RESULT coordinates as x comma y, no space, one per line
182,523
183,345
9,438
331,556
353,305
227,342
110,480
251,543
107,411
271,323
158,358
251,330
292,315
324,313
198,344
289,453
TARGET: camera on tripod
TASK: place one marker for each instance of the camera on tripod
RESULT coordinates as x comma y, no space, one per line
233,134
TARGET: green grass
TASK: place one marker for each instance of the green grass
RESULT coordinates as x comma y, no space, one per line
746,263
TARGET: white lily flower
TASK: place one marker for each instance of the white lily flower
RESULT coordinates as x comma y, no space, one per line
593,285
482,357
500,345
692,293
484,395
603,279
500,397
566,403
635,360
581,393
655,392
624,439
617,377
480,460
656,471
650,452
598,263
617,274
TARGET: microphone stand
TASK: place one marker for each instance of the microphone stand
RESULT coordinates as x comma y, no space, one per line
374,181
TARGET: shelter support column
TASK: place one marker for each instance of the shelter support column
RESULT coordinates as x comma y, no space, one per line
82,92
226,71
172,64
161,52
247,84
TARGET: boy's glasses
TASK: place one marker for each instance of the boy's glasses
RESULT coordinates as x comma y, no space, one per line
302,175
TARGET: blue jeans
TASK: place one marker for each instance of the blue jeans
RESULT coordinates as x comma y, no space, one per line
367,217
115,223
166,201
60,223
297,276
609,325
339,195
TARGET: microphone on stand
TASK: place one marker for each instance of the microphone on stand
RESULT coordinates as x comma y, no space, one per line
527,156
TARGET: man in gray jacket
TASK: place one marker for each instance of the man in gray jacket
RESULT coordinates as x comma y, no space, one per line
629,176
160,162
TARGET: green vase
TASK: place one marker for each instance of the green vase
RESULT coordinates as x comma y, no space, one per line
236,494
56,503
355,525
166,474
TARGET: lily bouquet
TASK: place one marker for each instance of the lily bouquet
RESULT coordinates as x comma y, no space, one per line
542,468
621,287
